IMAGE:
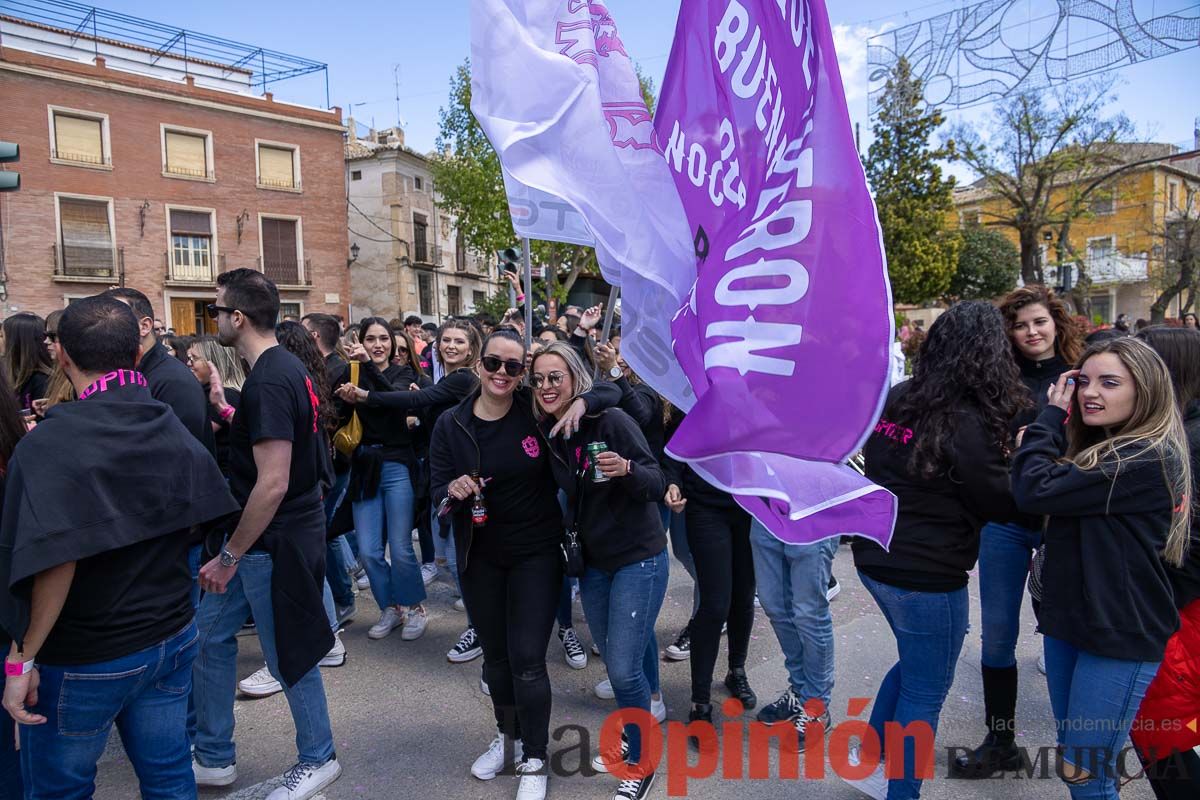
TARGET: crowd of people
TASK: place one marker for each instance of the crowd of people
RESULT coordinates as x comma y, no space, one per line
164,495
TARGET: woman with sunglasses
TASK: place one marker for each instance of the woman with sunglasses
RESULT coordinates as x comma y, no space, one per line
381,487
490,447
209,359
26,358
624,545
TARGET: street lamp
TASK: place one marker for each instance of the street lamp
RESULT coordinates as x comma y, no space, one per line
353,254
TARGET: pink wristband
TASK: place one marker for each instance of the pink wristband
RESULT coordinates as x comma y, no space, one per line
227,413
13,669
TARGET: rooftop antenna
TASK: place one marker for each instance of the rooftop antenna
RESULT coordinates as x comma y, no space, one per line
396,82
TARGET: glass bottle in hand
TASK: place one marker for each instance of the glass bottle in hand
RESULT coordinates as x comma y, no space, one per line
478,506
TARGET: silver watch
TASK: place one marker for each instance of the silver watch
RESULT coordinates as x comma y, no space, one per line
615,372
228,559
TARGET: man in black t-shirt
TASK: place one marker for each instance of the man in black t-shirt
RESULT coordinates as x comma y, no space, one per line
93,568
273,564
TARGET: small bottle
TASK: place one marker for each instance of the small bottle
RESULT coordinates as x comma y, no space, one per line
478,507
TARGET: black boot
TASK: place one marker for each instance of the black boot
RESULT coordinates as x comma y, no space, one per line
998,753
739,686
701,712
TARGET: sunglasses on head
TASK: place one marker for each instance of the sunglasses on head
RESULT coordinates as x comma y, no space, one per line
213,310
555,379
493,364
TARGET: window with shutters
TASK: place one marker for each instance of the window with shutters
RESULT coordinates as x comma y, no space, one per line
420,239
280,239
453,301
85,240
191,233
460,252
187,153
278,166
79,138
478,298
425,292
292,311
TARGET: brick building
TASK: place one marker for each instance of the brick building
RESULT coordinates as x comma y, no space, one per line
143,167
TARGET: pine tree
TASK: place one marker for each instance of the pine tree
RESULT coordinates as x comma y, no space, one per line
913,199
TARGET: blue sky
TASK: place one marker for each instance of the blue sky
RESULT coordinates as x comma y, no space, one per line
364,43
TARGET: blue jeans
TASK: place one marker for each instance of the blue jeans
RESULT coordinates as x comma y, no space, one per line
792,580
1094,700
621,608
215,673
1005,551
144,693
390,511
929,628
337,572
677,529
11,785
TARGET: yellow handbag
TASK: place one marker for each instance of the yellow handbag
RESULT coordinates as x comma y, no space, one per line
347,437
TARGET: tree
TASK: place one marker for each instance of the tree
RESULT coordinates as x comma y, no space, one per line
1041,156
913,199
988,266
1178,239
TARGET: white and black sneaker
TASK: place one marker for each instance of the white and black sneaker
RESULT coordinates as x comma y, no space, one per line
787,707
573,652
634,788
802,722
681,648
466,649
305,780
833,589
602,759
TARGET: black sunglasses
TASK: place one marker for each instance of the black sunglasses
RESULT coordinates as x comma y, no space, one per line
213,310
51,336
511,368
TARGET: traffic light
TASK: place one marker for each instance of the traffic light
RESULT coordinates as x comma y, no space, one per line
9,181
510,260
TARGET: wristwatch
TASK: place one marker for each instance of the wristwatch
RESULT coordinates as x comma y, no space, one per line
615,372
228,559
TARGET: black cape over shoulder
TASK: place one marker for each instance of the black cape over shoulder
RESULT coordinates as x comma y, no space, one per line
107,471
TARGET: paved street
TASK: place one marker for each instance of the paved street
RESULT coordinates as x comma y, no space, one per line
408,723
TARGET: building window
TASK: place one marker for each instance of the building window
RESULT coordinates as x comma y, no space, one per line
79,138
970,218
478,298
460,252
1102,307
425,292
453,301
278,166
85,237
289,310
356,175
1172,195
421,239
281,250
1101,248
419,183
1103,204
187,153
191,245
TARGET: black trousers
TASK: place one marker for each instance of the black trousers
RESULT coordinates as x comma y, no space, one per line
719,539
513,606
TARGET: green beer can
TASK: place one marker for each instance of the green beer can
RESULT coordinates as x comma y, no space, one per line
594,449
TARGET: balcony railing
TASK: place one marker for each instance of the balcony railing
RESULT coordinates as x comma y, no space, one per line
81,158
193,273
75,261
272,183
286,273
429,254
187,172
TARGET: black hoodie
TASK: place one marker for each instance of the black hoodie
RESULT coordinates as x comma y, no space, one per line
936,539
1105,588
1185,579
1038,377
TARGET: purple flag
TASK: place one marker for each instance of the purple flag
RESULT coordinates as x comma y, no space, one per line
786,336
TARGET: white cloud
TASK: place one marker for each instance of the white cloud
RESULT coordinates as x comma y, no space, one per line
851,44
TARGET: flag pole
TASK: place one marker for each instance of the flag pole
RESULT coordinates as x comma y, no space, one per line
525,262
613,294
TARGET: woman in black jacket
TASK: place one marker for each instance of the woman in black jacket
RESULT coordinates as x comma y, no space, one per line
612,503
491,466
941,448
1108,462
12,428
26,358
1045,343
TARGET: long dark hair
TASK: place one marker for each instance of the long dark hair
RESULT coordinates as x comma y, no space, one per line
25,348
1179,348
411,361
965,363
1067,336
367,322
299,342
12,426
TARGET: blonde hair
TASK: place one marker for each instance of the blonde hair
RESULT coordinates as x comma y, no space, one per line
1154,430
228,363
581,378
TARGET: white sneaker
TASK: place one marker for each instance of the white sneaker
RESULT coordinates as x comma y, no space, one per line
534,777
874,785
604,690
260,684
389,620
573,652
305,780
337,654
493,762
213,776
602,759
658,709
429,573
1041,663
415,622
361,581
483,687
459,605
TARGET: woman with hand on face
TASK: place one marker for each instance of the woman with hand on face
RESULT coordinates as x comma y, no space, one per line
381,487
1045,343
624,544
1107,461
213,363
491,465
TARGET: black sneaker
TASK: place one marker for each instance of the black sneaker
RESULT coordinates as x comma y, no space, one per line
601,760
802,721
699,713
634,788
832,590
681,648
739,686
466,649
573,652
788,706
